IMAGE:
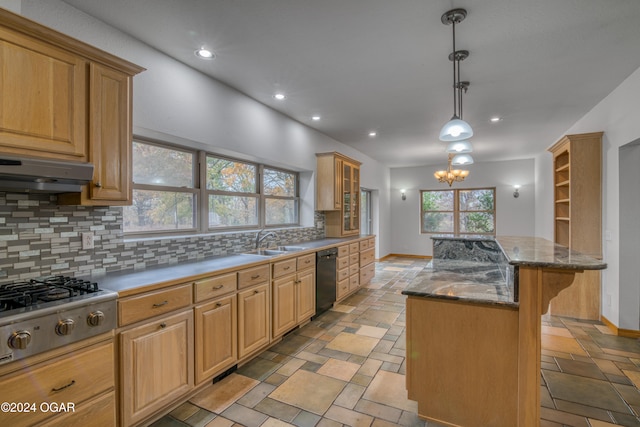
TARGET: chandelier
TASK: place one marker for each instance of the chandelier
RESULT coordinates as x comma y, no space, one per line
451,175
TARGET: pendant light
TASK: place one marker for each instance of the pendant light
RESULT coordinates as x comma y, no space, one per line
456,129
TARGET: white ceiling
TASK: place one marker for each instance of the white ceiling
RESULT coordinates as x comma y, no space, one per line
382,64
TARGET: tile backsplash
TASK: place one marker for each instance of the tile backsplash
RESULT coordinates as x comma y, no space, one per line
40,238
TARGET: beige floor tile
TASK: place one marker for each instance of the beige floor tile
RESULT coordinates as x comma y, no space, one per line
389,389
370,367
598,423
562,344
223,394
309,391
350,396
348,417
291,366
608,367
560,332
372,331
352,343
339,369
604,329
184,411
343,308
634,376
379,316
273,422
220,422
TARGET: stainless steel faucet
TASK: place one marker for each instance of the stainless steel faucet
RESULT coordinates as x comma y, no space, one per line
259,238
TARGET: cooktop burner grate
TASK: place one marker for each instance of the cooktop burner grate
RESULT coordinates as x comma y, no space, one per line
30,292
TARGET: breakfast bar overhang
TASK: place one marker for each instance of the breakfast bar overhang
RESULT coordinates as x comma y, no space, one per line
474,327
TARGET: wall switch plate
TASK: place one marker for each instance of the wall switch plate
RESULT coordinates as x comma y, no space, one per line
87,240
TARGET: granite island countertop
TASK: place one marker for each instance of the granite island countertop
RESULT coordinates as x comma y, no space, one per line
485,282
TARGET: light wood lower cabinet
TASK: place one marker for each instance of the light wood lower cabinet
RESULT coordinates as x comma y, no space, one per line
306,295
156,365
293,293
98,412
77,378
216,331
253,319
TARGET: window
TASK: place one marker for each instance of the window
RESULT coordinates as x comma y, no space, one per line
365,212
236,194
164,193
458,211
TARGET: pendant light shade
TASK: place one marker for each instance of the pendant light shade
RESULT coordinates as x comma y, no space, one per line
455,130
459,147
462,159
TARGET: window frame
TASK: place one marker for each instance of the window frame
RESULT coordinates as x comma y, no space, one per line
456,211
201,194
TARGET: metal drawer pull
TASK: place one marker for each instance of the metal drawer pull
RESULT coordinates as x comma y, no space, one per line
160,304
215,288
64,386
163,325
219,304
255,277
307,261
287,267
256,291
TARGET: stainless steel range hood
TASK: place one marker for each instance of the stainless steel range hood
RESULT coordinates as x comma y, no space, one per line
25,174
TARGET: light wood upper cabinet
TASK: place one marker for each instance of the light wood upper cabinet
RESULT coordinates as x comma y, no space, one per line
43,109
156,365
338,193
577,179
63,99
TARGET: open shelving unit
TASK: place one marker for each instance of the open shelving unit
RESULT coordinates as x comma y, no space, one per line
577,176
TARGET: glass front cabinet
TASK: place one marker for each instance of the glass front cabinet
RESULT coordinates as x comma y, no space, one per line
338,193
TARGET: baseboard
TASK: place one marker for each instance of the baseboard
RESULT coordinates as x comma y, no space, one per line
384,258
628,333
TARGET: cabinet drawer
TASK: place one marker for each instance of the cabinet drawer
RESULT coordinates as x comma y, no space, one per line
354,269
342,289
282,268
306,261
100,411
372,242
354,248
354,258
367,257
134,309
74,378
343,250
253,276
343,274
354,282
343,262
214,286
364,245
366,273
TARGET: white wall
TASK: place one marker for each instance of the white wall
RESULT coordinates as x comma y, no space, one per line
178,104
514,217
617,115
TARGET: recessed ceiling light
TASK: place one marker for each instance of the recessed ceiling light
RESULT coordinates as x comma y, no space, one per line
372,134
279,96
204,53
315,118
495,119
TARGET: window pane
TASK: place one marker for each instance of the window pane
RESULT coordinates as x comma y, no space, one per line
229,175
230,211
281,211
155,165
476,200
476,222
437,200
437,222
159,210
279,183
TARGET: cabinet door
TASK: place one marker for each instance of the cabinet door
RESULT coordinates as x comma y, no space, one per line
306,295
346,196
156,365
43,106
355,198
253,319
337,186
110,135
216,337
284,304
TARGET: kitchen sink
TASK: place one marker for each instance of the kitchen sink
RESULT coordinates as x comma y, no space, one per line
265,252
290,248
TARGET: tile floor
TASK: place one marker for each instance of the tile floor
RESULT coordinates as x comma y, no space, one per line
347,368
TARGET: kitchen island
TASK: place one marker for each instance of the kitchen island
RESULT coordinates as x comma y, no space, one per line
474,324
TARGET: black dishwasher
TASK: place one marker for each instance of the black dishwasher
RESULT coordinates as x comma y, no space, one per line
325,279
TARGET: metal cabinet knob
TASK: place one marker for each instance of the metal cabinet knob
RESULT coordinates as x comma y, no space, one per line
97,184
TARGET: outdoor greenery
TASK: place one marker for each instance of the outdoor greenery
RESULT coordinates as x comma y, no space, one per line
458,211
166,193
